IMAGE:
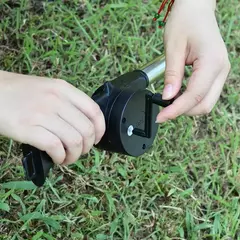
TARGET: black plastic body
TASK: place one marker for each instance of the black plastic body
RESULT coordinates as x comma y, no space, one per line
122,102
130,111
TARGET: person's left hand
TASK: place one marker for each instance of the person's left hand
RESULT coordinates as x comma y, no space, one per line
192,37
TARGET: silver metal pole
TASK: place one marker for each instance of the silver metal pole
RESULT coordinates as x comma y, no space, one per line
155,69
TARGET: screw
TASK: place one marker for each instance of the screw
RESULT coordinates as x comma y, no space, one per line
130,130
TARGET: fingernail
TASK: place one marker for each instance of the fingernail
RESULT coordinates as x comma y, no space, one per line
160,119
167,92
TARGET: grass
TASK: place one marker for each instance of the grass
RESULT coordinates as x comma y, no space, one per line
187,187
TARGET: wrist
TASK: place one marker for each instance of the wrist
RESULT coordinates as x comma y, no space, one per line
197,3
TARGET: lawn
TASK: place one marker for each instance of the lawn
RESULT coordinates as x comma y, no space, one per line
186,187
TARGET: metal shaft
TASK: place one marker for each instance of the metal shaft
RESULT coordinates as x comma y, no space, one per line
155,69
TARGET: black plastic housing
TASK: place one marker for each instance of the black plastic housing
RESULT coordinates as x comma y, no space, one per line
123,103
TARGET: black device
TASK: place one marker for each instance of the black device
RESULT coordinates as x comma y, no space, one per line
130,111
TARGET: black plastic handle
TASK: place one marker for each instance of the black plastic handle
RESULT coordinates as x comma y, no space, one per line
36,164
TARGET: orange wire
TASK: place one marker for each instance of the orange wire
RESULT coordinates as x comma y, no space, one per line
169,9
161,9
162,6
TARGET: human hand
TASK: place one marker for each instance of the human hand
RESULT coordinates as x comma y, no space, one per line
192,37
50,115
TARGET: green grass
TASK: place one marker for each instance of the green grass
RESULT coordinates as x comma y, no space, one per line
187,187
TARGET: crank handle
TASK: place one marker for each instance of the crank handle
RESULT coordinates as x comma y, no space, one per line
150,100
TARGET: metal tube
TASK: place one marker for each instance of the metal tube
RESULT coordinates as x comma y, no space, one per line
155,69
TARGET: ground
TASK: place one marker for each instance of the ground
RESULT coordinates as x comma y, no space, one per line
186,187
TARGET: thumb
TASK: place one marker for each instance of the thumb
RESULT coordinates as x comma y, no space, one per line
175,63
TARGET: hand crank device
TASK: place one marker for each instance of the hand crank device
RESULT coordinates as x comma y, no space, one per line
130,111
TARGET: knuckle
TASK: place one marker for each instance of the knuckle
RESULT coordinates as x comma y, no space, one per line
206,109
169,73
36,118
173,114
96,112
198,98
74,150
86,150
89,137
77,142
90,131
52,97
228,65
53,144
61,82
55,89
220,60
102,131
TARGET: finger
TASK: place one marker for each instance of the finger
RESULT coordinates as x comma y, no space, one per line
46,141
175,63
81,123
69,136
206,106
198,86
87,106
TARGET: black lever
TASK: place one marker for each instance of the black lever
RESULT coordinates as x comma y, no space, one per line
150,100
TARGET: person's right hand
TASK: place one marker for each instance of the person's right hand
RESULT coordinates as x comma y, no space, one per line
49,114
